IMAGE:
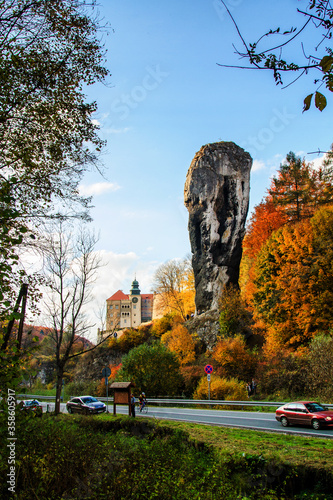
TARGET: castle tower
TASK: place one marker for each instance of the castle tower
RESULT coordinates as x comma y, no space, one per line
135,299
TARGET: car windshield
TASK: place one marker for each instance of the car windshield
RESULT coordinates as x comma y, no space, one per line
89,399
314,407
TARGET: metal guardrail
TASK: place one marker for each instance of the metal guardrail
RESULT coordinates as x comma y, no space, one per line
179,401
36,396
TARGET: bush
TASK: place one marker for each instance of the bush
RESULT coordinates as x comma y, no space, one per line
282,375
80,387
221,388
131,337
191,376
165,324
152,368
320,372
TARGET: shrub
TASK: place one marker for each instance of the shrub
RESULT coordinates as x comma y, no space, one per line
152,368
191,376
80,387
221,388
282,374
320,372
101,388
131,337
165,324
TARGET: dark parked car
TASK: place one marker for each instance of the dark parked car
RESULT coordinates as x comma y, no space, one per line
31,404
86,405
305,413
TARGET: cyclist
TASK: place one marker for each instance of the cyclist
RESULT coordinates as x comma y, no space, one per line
142,400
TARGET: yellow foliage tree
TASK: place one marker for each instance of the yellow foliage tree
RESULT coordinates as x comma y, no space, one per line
174,287
181,342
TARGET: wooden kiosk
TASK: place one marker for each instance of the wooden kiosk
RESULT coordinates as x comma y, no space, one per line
122,395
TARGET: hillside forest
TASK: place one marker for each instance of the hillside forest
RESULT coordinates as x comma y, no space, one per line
276,328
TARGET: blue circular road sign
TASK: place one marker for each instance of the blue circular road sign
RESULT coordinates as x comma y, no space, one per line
208,369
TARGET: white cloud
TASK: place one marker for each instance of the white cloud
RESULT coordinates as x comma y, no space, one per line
117,273
316,162
258,165
95,122
98,188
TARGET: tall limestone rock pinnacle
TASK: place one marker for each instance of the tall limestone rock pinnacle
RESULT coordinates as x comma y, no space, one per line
216,195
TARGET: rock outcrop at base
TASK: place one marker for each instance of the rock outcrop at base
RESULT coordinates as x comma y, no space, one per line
216,195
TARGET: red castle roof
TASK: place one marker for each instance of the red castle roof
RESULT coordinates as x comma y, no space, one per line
120,295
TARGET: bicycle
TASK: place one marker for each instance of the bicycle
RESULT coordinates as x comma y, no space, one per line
144,408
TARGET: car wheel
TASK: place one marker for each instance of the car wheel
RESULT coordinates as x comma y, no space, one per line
70,411
284,422
315,424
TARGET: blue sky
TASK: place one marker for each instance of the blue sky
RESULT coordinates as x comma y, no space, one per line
165,99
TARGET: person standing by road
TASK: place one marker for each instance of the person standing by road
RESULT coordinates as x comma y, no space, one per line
133,405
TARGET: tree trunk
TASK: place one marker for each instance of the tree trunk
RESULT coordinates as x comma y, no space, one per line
60,372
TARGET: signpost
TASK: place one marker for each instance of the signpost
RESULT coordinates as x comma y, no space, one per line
106,372
208,370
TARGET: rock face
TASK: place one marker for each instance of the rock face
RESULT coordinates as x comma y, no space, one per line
216,195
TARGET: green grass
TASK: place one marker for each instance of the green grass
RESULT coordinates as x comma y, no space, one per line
295,450
120,458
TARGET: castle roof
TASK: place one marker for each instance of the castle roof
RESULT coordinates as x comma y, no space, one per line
147,296
119,296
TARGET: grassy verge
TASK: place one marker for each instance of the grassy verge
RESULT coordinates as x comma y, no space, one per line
293,450
120,458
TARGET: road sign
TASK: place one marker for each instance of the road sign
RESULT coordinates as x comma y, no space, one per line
106,372
208,377
208,369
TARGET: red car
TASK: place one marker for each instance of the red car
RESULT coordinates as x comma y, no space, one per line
305,413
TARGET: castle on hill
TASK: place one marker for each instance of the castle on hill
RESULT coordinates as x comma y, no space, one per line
127,311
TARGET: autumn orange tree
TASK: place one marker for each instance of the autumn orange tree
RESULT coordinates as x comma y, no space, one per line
235,359
295,193
181,343
299,189
267,217
294,276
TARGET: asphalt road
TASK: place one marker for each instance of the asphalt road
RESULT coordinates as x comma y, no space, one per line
242,419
